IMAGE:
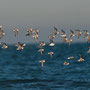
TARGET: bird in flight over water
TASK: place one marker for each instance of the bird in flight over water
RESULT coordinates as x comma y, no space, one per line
41,51
20,46
51,54
66,63
29,32
1,32
55,31
42,62
86,33
16,30
4,46
81,58
78,32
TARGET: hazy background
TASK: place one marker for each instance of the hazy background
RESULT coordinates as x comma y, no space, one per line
43,15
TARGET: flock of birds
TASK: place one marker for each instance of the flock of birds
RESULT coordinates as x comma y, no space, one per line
35,34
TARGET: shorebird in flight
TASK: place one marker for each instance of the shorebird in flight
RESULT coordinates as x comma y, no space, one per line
71,57
51,54
29,32
86,33
20,46
78,32
51,36
55,31
41,51
63,33
42,62
51,43
36,34
71,34
4,46
35,31
88,50
1,32
88,38
16,30
66,63
42,43
64,39
81,59
69,41
35,37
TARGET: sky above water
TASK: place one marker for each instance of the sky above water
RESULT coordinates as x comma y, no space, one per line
43,15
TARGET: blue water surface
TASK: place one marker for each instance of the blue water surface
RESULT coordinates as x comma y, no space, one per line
21,70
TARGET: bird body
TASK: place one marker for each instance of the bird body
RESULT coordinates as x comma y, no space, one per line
29,32
71,57
41,51
69,41
64,39
71,34
55,31
42,62
51,36
16,30
1,32
66,63
81,59
51,43
88,50
42,43
63,33
20,46
88,38
4,46
86,33
51,54
36,37
78,32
